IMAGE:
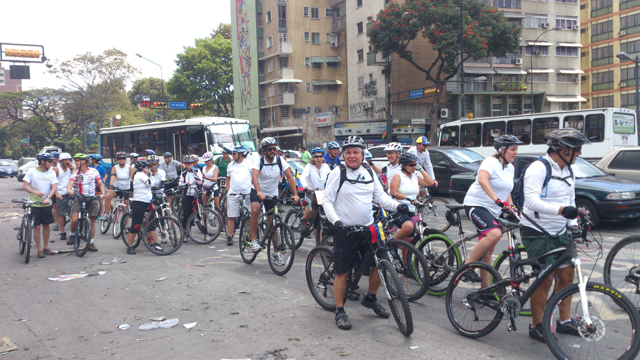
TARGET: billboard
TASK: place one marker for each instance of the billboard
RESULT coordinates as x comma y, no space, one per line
245,60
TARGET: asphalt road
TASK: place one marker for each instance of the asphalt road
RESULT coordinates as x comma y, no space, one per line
242,311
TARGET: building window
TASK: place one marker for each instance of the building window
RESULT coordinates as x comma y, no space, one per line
602,31
317,89
360,82
334,109
535,20
630,23
538,78
268,16
566,78
360,28
628,74
360,55
328,12
316,66
297,113
282,37
628,99
332,64
601,7
307,61
332,87
566,22
567,51
270,66
567,1
284,62
317,109
269,41
537,50
358,3
602,101
307,36
284,112
315,38
630,47
315,13
307,86
305,11
602,56
271,91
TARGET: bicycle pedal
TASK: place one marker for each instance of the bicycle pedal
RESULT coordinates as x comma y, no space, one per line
16,228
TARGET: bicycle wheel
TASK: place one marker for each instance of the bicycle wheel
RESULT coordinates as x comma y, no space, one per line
104,224
320,275
293,220
411,266
83,236
176,206
442,262
28,240
21,232
117,220
169,235
622,268
613,333
223,210
502,266
204,227
434,217
327,240
284,251
125,224
244,241
474,312
398,302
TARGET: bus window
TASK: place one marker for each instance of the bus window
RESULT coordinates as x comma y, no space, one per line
491,130
161,141
449,136
594,130
543,126
197,144
520,129
470,135
129,142
575,121
145,141
113,141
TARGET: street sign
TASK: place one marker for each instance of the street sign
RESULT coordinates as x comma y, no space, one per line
25,141
415,94
177,105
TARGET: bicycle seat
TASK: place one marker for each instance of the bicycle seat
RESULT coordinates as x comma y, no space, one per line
455,207
509,224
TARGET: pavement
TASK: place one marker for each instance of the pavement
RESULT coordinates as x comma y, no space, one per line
242,311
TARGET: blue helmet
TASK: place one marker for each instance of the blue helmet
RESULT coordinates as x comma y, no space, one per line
150,152
55,155
96,157
333,145
317,150
241,150
367,155
44,157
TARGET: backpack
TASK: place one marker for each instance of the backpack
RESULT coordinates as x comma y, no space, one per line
263,164
343,176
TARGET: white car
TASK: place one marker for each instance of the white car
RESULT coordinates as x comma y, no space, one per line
623,163
22,170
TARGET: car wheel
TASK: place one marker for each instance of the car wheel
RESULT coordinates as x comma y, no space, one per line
590,209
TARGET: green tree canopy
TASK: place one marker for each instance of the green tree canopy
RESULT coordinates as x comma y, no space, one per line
223,30
148,89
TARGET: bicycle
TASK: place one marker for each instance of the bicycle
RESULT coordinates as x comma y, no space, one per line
320,276
430,213
276,238
25,231
318,218
294,219
622,268
83,232
118,208
206,220
598,310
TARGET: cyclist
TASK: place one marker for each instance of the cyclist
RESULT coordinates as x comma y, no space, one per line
313,177
420,151
172,169
353,208
86,178
393,150
95,163
140,201
554,210
367,159
158,177
279,151
210,176
191,176
483,202
238,183
133,157
41,183
121,175
222,162
265,176
331,157
63,172
56,160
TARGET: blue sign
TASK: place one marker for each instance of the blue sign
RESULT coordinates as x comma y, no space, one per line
415,94
177,105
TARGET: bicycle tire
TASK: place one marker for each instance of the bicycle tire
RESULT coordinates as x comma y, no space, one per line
176,206
223,209
293,220
284,247
244,242
623,339
83,236
435,218
327,240
21,232
170,235
117,218
125,224
398,302
621,260
320,276
441,265
412,271
467,298
28,239
204,229
505,272
104,224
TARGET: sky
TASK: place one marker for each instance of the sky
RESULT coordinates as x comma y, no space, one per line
157,30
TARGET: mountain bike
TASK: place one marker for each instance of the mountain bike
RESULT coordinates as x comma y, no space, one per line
433,212
316,221
622,268
118,208
320,279
25,231
605,319
294,219
205,223
83,232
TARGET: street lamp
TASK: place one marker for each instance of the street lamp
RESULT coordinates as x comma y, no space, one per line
623,56
388,78
533,109
161,84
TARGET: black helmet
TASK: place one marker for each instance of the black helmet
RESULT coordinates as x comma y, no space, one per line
566,138
141,164
354,141
168,154
407,158
505,141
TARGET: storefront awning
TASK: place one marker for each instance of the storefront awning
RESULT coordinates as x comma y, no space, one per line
317,59
278,129
333,59
566,44
569,71
325,82
510,71
565,98
284,81
538,43
540,71
514,15
479,71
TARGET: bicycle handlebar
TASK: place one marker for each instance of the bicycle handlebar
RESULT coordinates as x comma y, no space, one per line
26,202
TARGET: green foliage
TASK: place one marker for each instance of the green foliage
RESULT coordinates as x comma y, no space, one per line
223,30
73,146
147,89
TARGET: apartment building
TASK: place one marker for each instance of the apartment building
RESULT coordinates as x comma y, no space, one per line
607,28
289,64
7,83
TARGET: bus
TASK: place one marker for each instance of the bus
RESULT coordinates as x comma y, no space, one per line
607,128
180,137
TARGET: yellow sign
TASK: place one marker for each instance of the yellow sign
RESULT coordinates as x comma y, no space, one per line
22,53
430,92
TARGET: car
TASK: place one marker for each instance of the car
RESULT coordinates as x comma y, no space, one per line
8,168
602,196
297,166
623,163
22,170
293,154
24,160
449,161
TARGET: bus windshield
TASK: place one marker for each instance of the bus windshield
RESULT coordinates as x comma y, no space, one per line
230,135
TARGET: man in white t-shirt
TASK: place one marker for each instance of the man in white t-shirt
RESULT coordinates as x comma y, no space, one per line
41,183
86,179
238,183
64,169
420,150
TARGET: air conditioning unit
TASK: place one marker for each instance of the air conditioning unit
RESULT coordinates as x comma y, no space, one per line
623,84
537,53
545,25
518,61
334,44
444,113
622,32
575,27
368,105
576,80
575,107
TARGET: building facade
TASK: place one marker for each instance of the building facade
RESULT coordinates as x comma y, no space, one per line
7,84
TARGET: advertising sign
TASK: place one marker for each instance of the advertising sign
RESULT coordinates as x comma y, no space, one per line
361,129
323,119
623,123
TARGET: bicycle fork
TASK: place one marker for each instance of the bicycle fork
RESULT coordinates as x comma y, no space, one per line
582,287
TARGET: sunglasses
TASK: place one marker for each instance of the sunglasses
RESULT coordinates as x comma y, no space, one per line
411,165
318,156
270,149
235,153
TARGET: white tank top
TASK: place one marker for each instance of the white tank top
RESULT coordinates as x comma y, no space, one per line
123,178
63,180
208,173
409,187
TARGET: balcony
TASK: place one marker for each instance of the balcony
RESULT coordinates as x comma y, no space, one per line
376,59
509,86
283,48
282,25
279,99
282,2
285,73
259,8
339,24
510,59
335,3
504,4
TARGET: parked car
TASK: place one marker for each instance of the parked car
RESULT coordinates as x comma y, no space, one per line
450,161
293,154
22,170
623,163
379,156
602,196
24,160
8,168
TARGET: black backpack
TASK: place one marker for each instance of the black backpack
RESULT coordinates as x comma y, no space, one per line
343,176
263,164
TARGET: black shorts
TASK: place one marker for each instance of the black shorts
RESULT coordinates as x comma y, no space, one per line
268,204
482,219
349,248
126,194
138,208
42,215
403,218
212,193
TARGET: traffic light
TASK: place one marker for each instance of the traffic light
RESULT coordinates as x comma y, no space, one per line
430,92
160,104
196,105
384,135
22,53
145,104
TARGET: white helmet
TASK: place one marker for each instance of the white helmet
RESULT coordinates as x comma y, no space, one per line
65,156
268,141
207,156
394,146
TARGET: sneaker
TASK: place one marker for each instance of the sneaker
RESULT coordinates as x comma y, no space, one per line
471,276
48,251
131,250
376,306
570,328
536,332
92,247
40,254
71,240
255,246
304,225
63,236
342,320
157,247
229,241
278,259
56,227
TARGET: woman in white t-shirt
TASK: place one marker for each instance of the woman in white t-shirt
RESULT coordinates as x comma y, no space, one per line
487,196
140,201
210,180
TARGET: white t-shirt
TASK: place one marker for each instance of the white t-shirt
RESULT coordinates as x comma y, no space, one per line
501,181
424,160
63,180
240,176
209,174
313,178
409,186
86,182
142,187
123,177
40,181
269,176
158,179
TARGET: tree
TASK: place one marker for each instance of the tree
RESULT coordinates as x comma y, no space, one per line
205,73
147,89
223,30
486,32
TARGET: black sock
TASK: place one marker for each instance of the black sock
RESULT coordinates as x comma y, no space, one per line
340,310
370,296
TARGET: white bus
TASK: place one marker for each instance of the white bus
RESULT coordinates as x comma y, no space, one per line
607,128
180,137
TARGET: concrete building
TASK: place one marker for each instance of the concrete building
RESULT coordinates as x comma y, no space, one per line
607,28
7,84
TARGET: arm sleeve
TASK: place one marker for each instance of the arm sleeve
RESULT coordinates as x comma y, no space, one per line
428,167
305,175
330,193
197,175
381,197
182,179
533,181
574,222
